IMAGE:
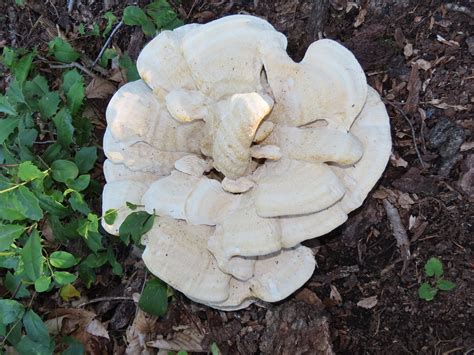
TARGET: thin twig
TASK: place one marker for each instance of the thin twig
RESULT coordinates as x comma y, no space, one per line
44,142
114,31
413,134
399,232
102,299
73,65
191,10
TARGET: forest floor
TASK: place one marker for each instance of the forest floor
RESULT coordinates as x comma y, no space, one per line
363,296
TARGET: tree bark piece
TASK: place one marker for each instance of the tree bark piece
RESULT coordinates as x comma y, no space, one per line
319,14
296,328
399,232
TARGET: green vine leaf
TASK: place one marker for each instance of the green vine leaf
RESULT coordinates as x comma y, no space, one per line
32,257
35,327
8,234
11,311
64,170
62,259
154,299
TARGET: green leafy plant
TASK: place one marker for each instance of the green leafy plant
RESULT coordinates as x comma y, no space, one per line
47,195
157,16
63,51
434,270
111,21
45,184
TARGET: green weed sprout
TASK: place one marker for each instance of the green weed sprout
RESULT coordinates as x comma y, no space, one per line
434,270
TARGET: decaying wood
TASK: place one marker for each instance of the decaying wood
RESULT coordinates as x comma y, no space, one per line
319,13
296,328
399,232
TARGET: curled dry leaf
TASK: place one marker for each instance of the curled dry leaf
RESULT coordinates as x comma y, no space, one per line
243,154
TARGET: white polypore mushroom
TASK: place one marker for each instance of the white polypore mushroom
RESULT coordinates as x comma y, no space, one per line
231,149
294,146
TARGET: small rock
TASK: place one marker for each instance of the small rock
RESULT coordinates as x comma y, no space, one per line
447,137
466,181
413,182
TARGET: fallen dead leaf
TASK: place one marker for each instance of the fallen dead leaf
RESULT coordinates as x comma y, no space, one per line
335,296
81,325
368,303
408,50
398,161
139,332
100,89
423,64
411,222
118,75
443,105
307,296
467,146
54,325
399,37
188,339
360,18
96,328
69,291
450,43
394,196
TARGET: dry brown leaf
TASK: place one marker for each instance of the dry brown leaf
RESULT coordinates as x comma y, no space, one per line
408,50
360,18
450,43
404,200
308,296
399,37
100,89
96,328
443,105
80,324
467,146
188,339
139,332
368,303
335,296
423,64
411,222
398,161
118,75
54,325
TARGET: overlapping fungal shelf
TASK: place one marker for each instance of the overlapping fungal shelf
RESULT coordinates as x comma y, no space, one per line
242,154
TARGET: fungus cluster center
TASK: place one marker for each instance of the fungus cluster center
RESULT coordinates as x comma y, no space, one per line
242,154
